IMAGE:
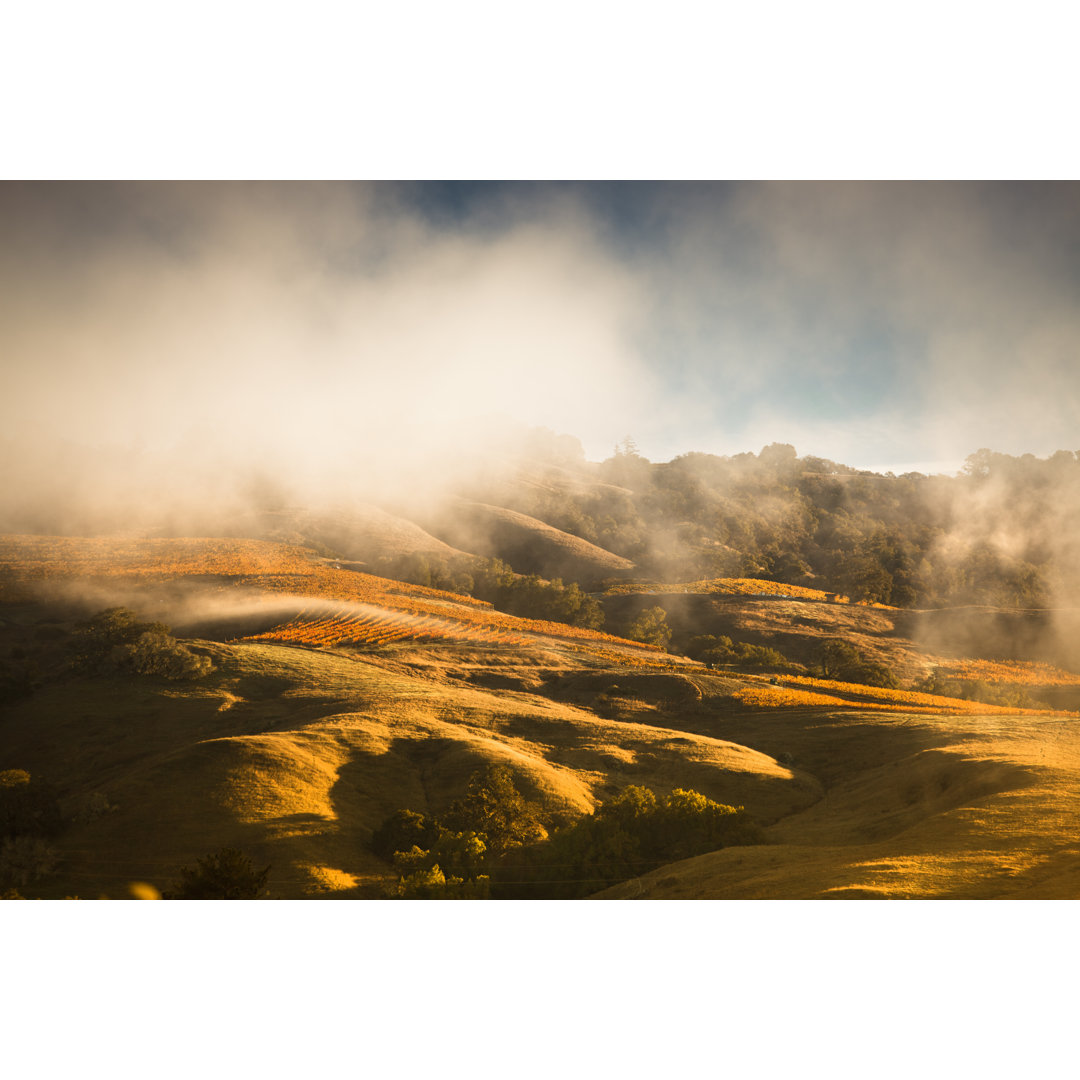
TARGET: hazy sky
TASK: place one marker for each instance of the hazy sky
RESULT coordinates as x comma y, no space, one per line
886,326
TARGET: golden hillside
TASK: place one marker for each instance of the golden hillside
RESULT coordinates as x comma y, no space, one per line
337,698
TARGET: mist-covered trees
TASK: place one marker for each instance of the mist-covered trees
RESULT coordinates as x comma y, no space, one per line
1006,532
526,595
431,571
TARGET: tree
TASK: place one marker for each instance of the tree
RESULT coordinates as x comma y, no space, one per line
402,831
28,807
494,809
25,859
226,875
155,653
840,660
98,636
651,628
637,831
117,640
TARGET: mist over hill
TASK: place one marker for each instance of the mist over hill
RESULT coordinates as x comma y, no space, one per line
716,646
1002,532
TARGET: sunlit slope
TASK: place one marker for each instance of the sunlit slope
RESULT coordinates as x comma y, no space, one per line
915,807
356,696
362,531
297,755
527,543
198,577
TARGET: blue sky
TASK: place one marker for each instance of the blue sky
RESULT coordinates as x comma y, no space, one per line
885,325
890,326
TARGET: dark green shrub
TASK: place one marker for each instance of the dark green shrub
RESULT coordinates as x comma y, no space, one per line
226,875
452,858
25,859
840,660
635,832
431,883
402,831
155,653
28,807
492,842
716,651
494,809
96,638
117,640
651,628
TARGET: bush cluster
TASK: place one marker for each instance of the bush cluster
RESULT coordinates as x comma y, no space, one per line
635,832
1010,696
491,842
228,874
650,628
449,858
719,650
495,581
116,640
840,660
29,817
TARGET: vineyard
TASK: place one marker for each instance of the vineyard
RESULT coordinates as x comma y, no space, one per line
30,563
1009,672
789,691
751,587
359,609
378,628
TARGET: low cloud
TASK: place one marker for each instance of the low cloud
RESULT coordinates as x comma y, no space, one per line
190,342
325,336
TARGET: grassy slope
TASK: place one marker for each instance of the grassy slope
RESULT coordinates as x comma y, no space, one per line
529,544
296,754
915,807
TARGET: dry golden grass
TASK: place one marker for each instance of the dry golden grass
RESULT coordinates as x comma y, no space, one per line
295,756
29,562
749,587
379,628
295,753
909,700
962,808
730,586
1010,672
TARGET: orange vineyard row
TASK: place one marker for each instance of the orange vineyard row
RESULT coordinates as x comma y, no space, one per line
751,587
878,697
27,562
1016,672
373,631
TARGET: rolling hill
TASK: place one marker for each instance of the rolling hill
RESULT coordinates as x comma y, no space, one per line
337,698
